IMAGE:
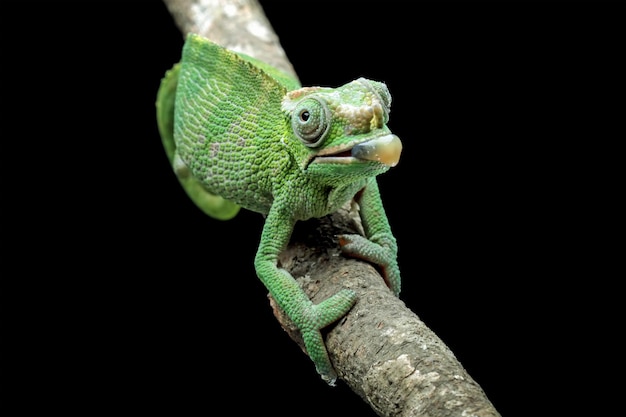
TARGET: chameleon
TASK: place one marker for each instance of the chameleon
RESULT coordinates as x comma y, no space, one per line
240,133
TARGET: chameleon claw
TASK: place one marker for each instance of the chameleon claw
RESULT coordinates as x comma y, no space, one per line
330,379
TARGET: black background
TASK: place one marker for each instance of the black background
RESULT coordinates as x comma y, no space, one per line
121,298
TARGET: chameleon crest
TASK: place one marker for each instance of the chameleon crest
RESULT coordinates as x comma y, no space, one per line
240,133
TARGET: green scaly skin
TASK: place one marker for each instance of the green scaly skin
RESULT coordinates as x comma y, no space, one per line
240,133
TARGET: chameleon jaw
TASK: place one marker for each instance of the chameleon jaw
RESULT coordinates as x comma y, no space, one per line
385,149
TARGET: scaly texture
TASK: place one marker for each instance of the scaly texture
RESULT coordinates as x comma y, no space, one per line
246,134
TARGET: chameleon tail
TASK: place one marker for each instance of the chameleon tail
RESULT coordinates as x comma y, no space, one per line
212,205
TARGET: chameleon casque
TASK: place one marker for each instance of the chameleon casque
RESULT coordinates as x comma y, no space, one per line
241,133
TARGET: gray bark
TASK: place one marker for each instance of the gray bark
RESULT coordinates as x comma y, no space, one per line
381,349
239,25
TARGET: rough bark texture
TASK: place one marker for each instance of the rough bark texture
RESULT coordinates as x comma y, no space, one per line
381,349
239,25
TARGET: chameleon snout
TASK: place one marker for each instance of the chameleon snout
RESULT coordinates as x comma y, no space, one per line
384,149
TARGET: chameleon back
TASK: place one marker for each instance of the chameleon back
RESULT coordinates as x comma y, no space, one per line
223,129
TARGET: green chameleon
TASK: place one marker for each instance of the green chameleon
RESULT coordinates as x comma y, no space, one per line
240,133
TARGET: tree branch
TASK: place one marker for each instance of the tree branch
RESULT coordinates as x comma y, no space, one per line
239,25
381,349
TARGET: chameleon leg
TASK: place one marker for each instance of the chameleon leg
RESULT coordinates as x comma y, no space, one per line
309,318
379,246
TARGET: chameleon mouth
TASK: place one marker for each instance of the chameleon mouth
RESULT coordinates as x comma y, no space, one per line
384,149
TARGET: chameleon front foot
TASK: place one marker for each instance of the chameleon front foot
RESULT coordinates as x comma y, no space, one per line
383,255
316,317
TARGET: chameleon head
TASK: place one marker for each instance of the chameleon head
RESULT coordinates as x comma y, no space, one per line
343,129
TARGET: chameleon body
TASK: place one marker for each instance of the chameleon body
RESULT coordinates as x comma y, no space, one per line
240,133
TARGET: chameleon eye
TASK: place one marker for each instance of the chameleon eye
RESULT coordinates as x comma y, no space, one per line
311,122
